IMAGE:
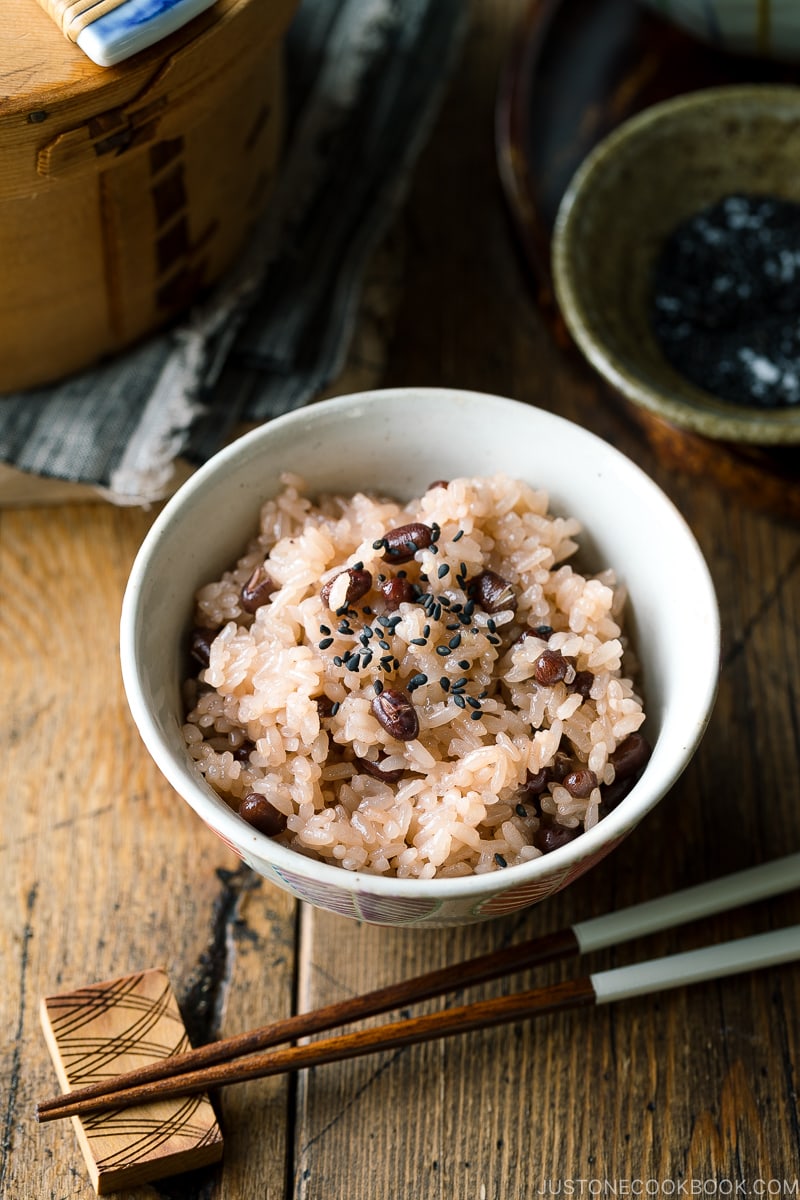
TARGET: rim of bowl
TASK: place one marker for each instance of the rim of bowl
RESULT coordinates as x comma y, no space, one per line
213,809
718,419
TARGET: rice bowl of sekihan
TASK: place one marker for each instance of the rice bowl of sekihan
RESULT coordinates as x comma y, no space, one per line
410,653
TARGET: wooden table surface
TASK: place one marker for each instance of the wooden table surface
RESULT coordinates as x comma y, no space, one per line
105,871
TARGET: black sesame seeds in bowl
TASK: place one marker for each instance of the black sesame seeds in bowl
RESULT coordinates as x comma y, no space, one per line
429,714
672,256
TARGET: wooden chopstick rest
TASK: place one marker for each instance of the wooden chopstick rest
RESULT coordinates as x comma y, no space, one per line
105,1029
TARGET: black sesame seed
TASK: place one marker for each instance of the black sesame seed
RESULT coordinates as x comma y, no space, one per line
436,531
501,862
455,641
383,644
459,699
444,684
451,626
464,619
445,601
324,629
521,810
366,658
367,611
469,608
381,579
426,631
378,686
491,626
443,570
417,681
464,664
423,577
352,662
379,545
386,662
436,612
337,660
476,716
419,642
462,569
462,679
364,639
359,566
328,641
434,549
443,651
473,703
368,631
344,627
494,640
384,621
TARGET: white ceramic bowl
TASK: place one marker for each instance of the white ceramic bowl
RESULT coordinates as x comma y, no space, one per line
397,441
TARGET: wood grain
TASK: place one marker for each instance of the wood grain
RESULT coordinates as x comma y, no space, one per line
104,871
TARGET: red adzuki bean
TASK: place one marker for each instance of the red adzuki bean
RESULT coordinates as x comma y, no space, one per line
551,667
492,592
256,591
374,769
359,583
401,544
263,816
397,714
396,591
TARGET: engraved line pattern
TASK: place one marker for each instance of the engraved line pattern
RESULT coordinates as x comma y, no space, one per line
87,1058
147,1134
90,1049
99,999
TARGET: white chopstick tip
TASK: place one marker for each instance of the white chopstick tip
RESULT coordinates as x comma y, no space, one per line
697,966
690,904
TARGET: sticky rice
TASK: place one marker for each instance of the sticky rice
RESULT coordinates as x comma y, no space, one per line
411,703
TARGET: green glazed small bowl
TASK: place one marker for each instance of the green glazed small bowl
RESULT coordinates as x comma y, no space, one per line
768,28
654,171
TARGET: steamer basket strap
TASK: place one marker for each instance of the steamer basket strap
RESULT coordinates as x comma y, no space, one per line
72,16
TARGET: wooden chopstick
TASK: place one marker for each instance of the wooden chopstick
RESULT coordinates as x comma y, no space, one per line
711,962
668,911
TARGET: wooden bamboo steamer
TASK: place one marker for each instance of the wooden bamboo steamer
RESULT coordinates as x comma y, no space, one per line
126,191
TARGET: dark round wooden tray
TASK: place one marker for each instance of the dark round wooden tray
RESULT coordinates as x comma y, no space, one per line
579,68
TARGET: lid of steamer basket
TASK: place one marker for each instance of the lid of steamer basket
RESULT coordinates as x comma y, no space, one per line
60,113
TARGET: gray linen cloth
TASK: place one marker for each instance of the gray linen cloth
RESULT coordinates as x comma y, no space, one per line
365,78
